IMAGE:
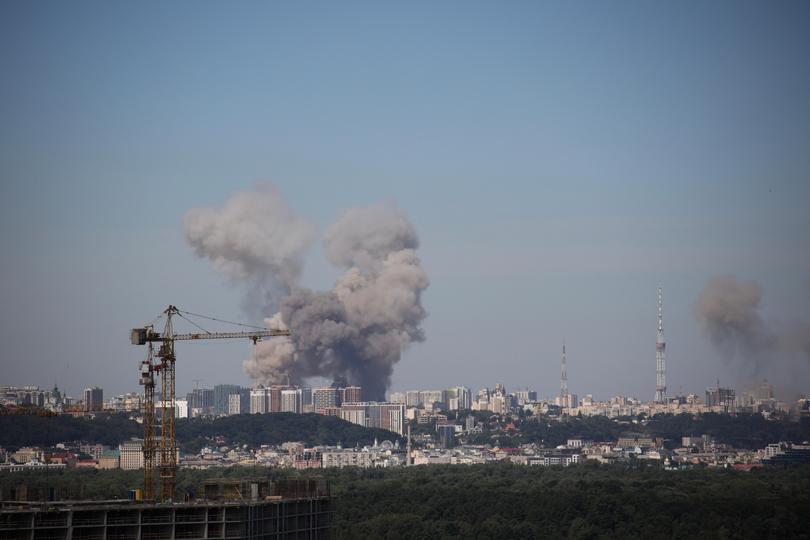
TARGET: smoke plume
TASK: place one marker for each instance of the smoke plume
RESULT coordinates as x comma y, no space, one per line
356,331
729,312
359,329
255,240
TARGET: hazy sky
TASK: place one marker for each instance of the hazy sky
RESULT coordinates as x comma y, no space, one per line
557,159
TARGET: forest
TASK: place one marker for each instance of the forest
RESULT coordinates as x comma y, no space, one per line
749,431
502,501
192,434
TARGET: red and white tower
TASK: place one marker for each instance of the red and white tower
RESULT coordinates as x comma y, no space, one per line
660,357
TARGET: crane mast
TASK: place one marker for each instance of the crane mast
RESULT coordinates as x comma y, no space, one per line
162,365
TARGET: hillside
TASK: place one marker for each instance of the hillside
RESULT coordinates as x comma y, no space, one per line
27,430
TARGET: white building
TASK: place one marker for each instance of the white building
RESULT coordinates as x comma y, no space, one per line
346,458
291,401
259,400
181,409
234,404
131,454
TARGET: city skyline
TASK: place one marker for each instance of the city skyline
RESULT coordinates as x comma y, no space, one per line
557,163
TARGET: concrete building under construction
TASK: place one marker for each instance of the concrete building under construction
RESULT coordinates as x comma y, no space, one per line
293,509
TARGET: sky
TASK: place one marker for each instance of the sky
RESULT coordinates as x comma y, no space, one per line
558,161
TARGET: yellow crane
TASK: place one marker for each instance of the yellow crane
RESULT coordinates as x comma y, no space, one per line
162,365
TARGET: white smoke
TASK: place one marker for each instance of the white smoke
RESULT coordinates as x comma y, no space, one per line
357,331
363,237
255,240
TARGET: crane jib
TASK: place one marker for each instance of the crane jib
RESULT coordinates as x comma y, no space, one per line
142,336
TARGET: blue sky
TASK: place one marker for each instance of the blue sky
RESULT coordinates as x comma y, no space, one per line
557,159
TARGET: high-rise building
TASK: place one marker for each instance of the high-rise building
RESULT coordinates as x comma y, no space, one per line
274,399
354,413
498,404
447,435
258,400
430,398
525,396
234,404
222,393
719,396
464,396
325,397
291,400
239,403
413,398
201,400
390,416
93,399
397,397
306,399
660,356
352,394
181,408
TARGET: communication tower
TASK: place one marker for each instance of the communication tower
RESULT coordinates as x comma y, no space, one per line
660,356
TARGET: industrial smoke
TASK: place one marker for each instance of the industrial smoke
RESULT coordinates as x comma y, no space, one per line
356,331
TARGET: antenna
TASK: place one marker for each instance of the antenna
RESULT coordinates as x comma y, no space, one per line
563,380
660,354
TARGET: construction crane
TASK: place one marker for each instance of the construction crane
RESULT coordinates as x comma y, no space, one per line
162,365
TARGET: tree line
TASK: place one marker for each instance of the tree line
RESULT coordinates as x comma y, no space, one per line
192,434
502,500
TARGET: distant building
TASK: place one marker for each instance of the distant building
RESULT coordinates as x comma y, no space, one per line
201,399
131,454
390,416
274,399
413,398
718,396
397,397
239,403
93,399
291,400
181,408
446,435
346,458
222,395
525,396
354,413
351,394
306,399
765,391
325,398
110,459
258,400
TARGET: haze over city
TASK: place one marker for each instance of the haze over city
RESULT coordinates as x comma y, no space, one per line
556,164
